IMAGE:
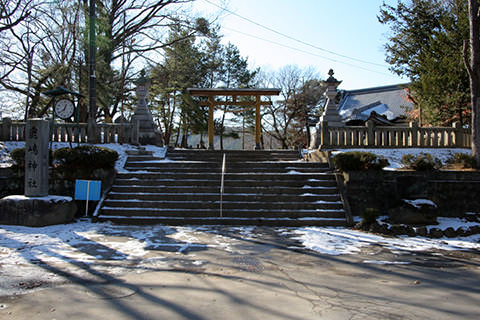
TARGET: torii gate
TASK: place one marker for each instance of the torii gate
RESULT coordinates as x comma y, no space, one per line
234,93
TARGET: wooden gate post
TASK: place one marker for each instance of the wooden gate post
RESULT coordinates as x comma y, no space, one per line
258,124
211,128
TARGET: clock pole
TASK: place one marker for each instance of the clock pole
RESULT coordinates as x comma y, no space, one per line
92,130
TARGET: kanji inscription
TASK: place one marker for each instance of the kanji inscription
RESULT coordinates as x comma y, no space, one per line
36,158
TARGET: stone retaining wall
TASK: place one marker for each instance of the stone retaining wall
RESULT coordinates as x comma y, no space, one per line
12,182
454,192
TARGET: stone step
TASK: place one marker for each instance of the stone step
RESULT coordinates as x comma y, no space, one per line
238,159
261,221
227,183
260,187
227,176
215,212
166,164
139,152
248,190
231,197
229,170
143,159
208,204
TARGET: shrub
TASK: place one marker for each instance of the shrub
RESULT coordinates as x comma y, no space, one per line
86,156
421,162
370,215
464,160
357,160
18,155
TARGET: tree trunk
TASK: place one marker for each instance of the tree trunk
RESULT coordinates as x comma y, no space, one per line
202,143
473,68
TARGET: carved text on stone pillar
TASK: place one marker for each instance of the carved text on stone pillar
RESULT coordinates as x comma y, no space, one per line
36,158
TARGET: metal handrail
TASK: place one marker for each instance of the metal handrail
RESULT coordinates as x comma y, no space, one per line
222,185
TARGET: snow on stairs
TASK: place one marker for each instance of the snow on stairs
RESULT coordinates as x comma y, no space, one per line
261,187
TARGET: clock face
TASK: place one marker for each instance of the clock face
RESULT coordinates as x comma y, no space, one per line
64,108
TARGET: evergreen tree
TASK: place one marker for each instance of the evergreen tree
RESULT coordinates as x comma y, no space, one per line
426,46
235,74
181,69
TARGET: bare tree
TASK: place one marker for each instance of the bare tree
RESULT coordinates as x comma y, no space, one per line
473,66
48,47
12,13
144,26
40,53
285,119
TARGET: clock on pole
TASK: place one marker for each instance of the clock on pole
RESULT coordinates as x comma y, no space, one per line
64,108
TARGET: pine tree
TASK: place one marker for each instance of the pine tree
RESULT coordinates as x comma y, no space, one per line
426,46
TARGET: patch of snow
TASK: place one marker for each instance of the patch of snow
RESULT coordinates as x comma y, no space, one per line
384,262
293,172
455,223
338,241
49,198
329,202
394,156
158,152
419,202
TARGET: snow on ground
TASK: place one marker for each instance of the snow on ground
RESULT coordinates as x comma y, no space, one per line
394,156
455,223
69,242
50,198
336,241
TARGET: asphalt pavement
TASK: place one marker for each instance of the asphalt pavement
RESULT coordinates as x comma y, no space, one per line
262,276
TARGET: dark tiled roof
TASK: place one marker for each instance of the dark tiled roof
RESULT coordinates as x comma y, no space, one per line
390,101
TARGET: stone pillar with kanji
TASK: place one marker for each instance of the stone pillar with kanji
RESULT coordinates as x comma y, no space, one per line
36,158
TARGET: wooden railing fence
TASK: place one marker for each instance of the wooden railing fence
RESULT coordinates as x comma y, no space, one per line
74,132
371,136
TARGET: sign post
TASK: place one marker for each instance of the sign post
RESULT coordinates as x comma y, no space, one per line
88,190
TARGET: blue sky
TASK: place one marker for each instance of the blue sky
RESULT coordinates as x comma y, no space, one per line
346,27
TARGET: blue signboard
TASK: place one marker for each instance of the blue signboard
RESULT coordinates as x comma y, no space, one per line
88,190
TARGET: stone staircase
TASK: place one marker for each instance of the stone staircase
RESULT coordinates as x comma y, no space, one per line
260,187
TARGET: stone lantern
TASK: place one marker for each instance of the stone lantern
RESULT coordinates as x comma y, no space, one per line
147,130
330,117
330,113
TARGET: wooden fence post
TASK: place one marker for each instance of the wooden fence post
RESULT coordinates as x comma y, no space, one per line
5,129
413,133
370,133
458,134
